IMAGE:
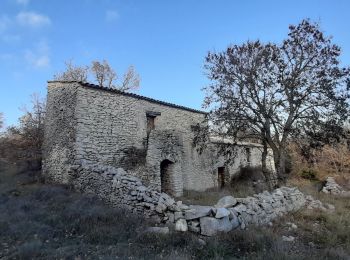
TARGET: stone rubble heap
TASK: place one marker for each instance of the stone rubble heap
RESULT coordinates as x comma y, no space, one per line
117,188
331,187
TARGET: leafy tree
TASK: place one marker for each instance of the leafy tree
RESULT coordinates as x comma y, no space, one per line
272,93
102,73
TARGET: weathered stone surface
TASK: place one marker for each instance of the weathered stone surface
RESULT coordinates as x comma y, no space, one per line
178,215
211,226
234,222
196,211
222,212
332,187
181,225
226,202
288,238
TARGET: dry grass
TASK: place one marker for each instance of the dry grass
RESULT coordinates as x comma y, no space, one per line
39,221
211,196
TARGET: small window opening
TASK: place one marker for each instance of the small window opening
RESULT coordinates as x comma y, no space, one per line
150,123
221,177
248,153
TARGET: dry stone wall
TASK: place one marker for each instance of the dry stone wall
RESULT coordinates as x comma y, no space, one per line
119,189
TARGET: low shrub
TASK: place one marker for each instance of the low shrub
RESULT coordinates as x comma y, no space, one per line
309,174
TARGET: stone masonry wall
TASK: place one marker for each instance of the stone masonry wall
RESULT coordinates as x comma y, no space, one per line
60,131
106,127
120,189
109,123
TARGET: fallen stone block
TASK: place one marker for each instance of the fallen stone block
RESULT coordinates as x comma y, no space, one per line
197,212
181,225
226,202
222,212
211,226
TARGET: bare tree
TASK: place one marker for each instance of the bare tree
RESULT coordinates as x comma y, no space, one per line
103,73
73,73
131,80
23,142
273,92
32,122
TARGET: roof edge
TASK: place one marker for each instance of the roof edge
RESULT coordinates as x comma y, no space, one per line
128,94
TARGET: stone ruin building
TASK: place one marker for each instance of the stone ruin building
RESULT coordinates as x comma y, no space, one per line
138,153
148,138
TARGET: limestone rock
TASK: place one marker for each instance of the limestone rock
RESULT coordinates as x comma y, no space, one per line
222,212
211,226
196,211
181,225
234,222
331,187
288,238
226,202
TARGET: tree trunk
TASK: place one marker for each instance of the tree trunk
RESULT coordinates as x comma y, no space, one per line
280,157
264,168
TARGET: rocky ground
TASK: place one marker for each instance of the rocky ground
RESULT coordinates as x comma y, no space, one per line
40,221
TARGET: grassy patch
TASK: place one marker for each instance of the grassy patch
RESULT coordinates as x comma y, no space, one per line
39,221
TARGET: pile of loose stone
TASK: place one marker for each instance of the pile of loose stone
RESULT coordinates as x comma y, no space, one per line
117,188
331,187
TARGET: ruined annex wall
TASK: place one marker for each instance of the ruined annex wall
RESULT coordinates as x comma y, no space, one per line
255,156
119,189
110,125
60,131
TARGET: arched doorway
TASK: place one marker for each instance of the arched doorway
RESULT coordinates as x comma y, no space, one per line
166,176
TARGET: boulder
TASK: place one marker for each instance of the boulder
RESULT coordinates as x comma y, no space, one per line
226,202
196,211
234,222
181,225
211,226
222,212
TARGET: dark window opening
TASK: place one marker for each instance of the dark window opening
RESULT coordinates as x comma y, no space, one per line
150,123
247,151
221,177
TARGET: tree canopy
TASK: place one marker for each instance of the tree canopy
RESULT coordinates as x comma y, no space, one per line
102,73
272,92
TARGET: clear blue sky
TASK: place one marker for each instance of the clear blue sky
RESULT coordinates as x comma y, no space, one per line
165,40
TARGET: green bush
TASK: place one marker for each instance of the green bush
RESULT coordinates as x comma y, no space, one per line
309,174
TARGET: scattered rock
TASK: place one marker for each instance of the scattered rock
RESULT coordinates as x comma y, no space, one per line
288,238
181,225
331,187
202,242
